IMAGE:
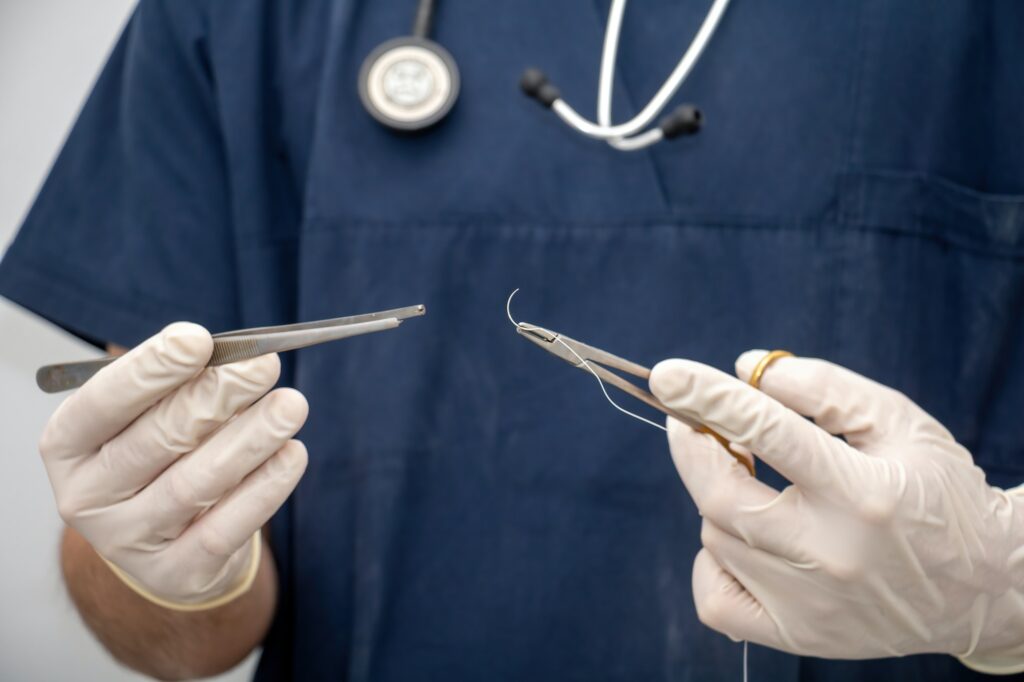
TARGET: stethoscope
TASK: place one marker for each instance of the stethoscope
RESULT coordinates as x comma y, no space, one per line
411,83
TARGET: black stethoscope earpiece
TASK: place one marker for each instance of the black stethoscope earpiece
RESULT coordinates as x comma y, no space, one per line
410,83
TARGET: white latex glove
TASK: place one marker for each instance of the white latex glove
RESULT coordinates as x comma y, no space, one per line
890,543
168,468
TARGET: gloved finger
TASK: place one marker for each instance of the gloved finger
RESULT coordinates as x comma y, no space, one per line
840,401
198,480
723,604
225,528
799,450
730,497
174,426
123,390
804,600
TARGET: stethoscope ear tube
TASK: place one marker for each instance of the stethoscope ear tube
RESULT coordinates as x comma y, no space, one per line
684,120
635,133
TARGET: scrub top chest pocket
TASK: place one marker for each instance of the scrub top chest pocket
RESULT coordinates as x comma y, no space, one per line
930,245
932,282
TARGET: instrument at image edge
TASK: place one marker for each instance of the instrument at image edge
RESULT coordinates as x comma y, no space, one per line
243,344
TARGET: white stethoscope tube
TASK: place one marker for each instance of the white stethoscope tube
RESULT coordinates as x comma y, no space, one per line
624,135
606,81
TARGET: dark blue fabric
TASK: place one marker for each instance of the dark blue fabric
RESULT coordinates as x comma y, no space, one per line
473,509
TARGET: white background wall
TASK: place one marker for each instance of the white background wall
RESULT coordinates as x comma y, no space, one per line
50,53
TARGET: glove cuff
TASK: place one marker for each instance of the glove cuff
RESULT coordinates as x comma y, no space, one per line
1006,662
220,600
994,665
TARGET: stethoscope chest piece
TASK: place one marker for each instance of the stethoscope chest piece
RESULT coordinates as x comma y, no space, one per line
409,83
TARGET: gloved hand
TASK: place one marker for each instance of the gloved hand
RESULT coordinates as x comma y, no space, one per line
887,544
169,468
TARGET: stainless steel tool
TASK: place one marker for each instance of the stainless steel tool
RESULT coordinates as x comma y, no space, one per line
589,358
246,343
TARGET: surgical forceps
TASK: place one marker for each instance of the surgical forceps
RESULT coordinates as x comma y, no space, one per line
588,358
246,343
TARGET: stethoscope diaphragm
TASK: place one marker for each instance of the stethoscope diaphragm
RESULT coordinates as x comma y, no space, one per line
410,83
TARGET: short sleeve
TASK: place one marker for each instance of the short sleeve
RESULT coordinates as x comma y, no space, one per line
132,229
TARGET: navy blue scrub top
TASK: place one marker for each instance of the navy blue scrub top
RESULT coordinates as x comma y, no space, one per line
473,509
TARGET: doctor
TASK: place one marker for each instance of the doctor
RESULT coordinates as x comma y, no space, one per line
457,510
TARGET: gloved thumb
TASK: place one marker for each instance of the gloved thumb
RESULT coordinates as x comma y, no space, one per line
124,389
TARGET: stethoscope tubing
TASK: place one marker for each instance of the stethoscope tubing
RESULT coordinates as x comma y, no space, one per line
620,133
636,133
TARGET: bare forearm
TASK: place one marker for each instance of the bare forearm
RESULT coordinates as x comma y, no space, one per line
159,642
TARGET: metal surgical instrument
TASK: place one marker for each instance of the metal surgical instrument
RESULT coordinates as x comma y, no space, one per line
243,344
589,358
